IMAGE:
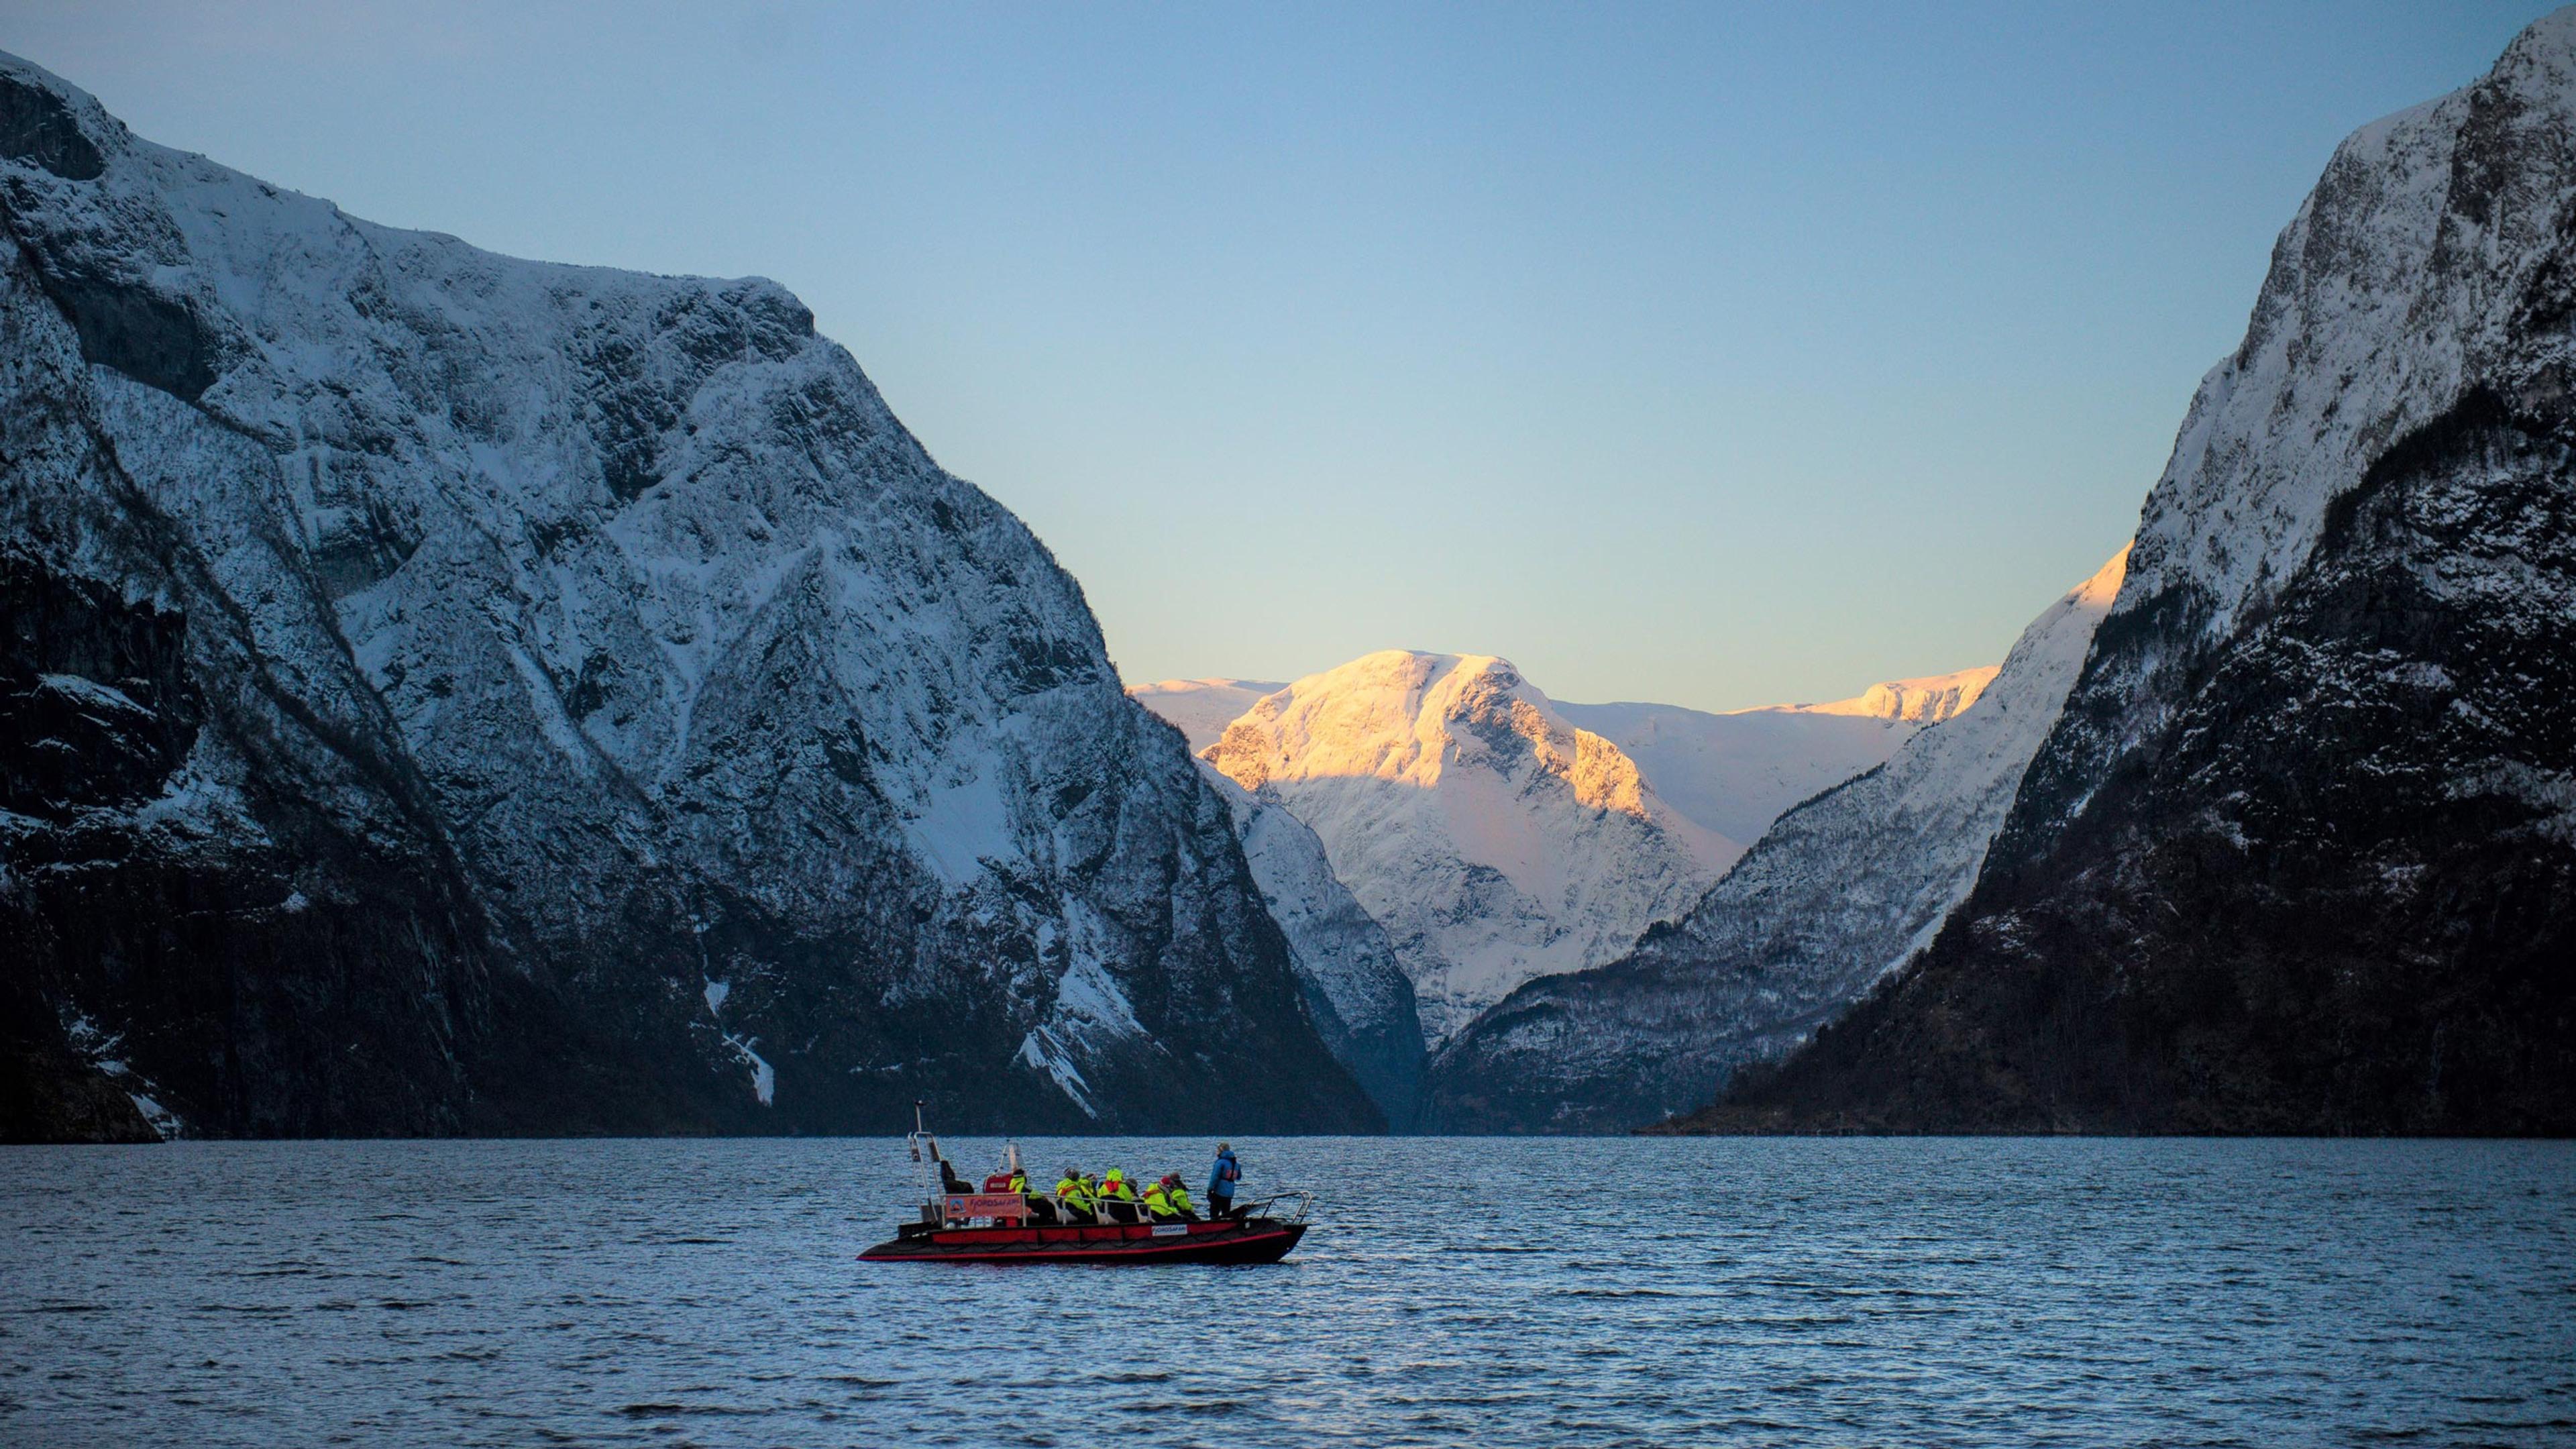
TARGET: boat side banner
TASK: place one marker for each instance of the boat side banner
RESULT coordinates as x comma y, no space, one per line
986,1205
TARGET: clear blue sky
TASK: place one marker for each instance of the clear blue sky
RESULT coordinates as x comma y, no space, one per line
1699,353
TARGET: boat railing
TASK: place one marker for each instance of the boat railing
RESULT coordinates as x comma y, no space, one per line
1268,1207
1099,1213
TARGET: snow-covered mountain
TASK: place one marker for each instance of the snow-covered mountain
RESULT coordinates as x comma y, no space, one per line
1928,700
1734,773
1731,773
1202,708
1838,891
441,691
1728,773
1356,988
1492,839
2300,853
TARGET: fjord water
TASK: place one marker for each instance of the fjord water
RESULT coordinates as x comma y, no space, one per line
1455,1291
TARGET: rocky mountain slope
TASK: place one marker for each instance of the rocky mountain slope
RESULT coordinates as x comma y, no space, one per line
440,692
1355,986
2300,855
1493,840
1839,890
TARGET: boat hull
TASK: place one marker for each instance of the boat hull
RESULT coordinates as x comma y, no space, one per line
1253,1240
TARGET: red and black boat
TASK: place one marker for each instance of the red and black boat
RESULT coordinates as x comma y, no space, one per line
963,1226
1227,1240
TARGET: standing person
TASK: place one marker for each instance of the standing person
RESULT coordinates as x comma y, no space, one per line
1221,1181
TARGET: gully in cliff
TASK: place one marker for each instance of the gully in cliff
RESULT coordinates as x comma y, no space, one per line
1079,1222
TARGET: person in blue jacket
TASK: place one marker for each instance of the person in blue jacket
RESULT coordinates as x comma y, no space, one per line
1221,1181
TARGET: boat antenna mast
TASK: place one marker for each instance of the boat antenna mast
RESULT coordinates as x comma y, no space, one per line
920,1134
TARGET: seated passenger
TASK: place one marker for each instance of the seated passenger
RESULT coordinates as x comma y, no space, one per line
1179,1193
1158,1202
1118,1198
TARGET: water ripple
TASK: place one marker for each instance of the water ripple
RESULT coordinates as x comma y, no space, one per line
1455,1292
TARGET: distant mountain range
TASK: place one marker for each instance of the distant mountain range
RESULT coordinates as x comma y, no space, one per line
1841,889
1734,773
1497,836
1729,773
1492,839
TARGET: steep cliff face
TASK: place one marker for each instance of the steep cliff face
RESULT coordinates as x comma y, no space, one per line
1355,986
2300,856
445,692
1839,890
1493,840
